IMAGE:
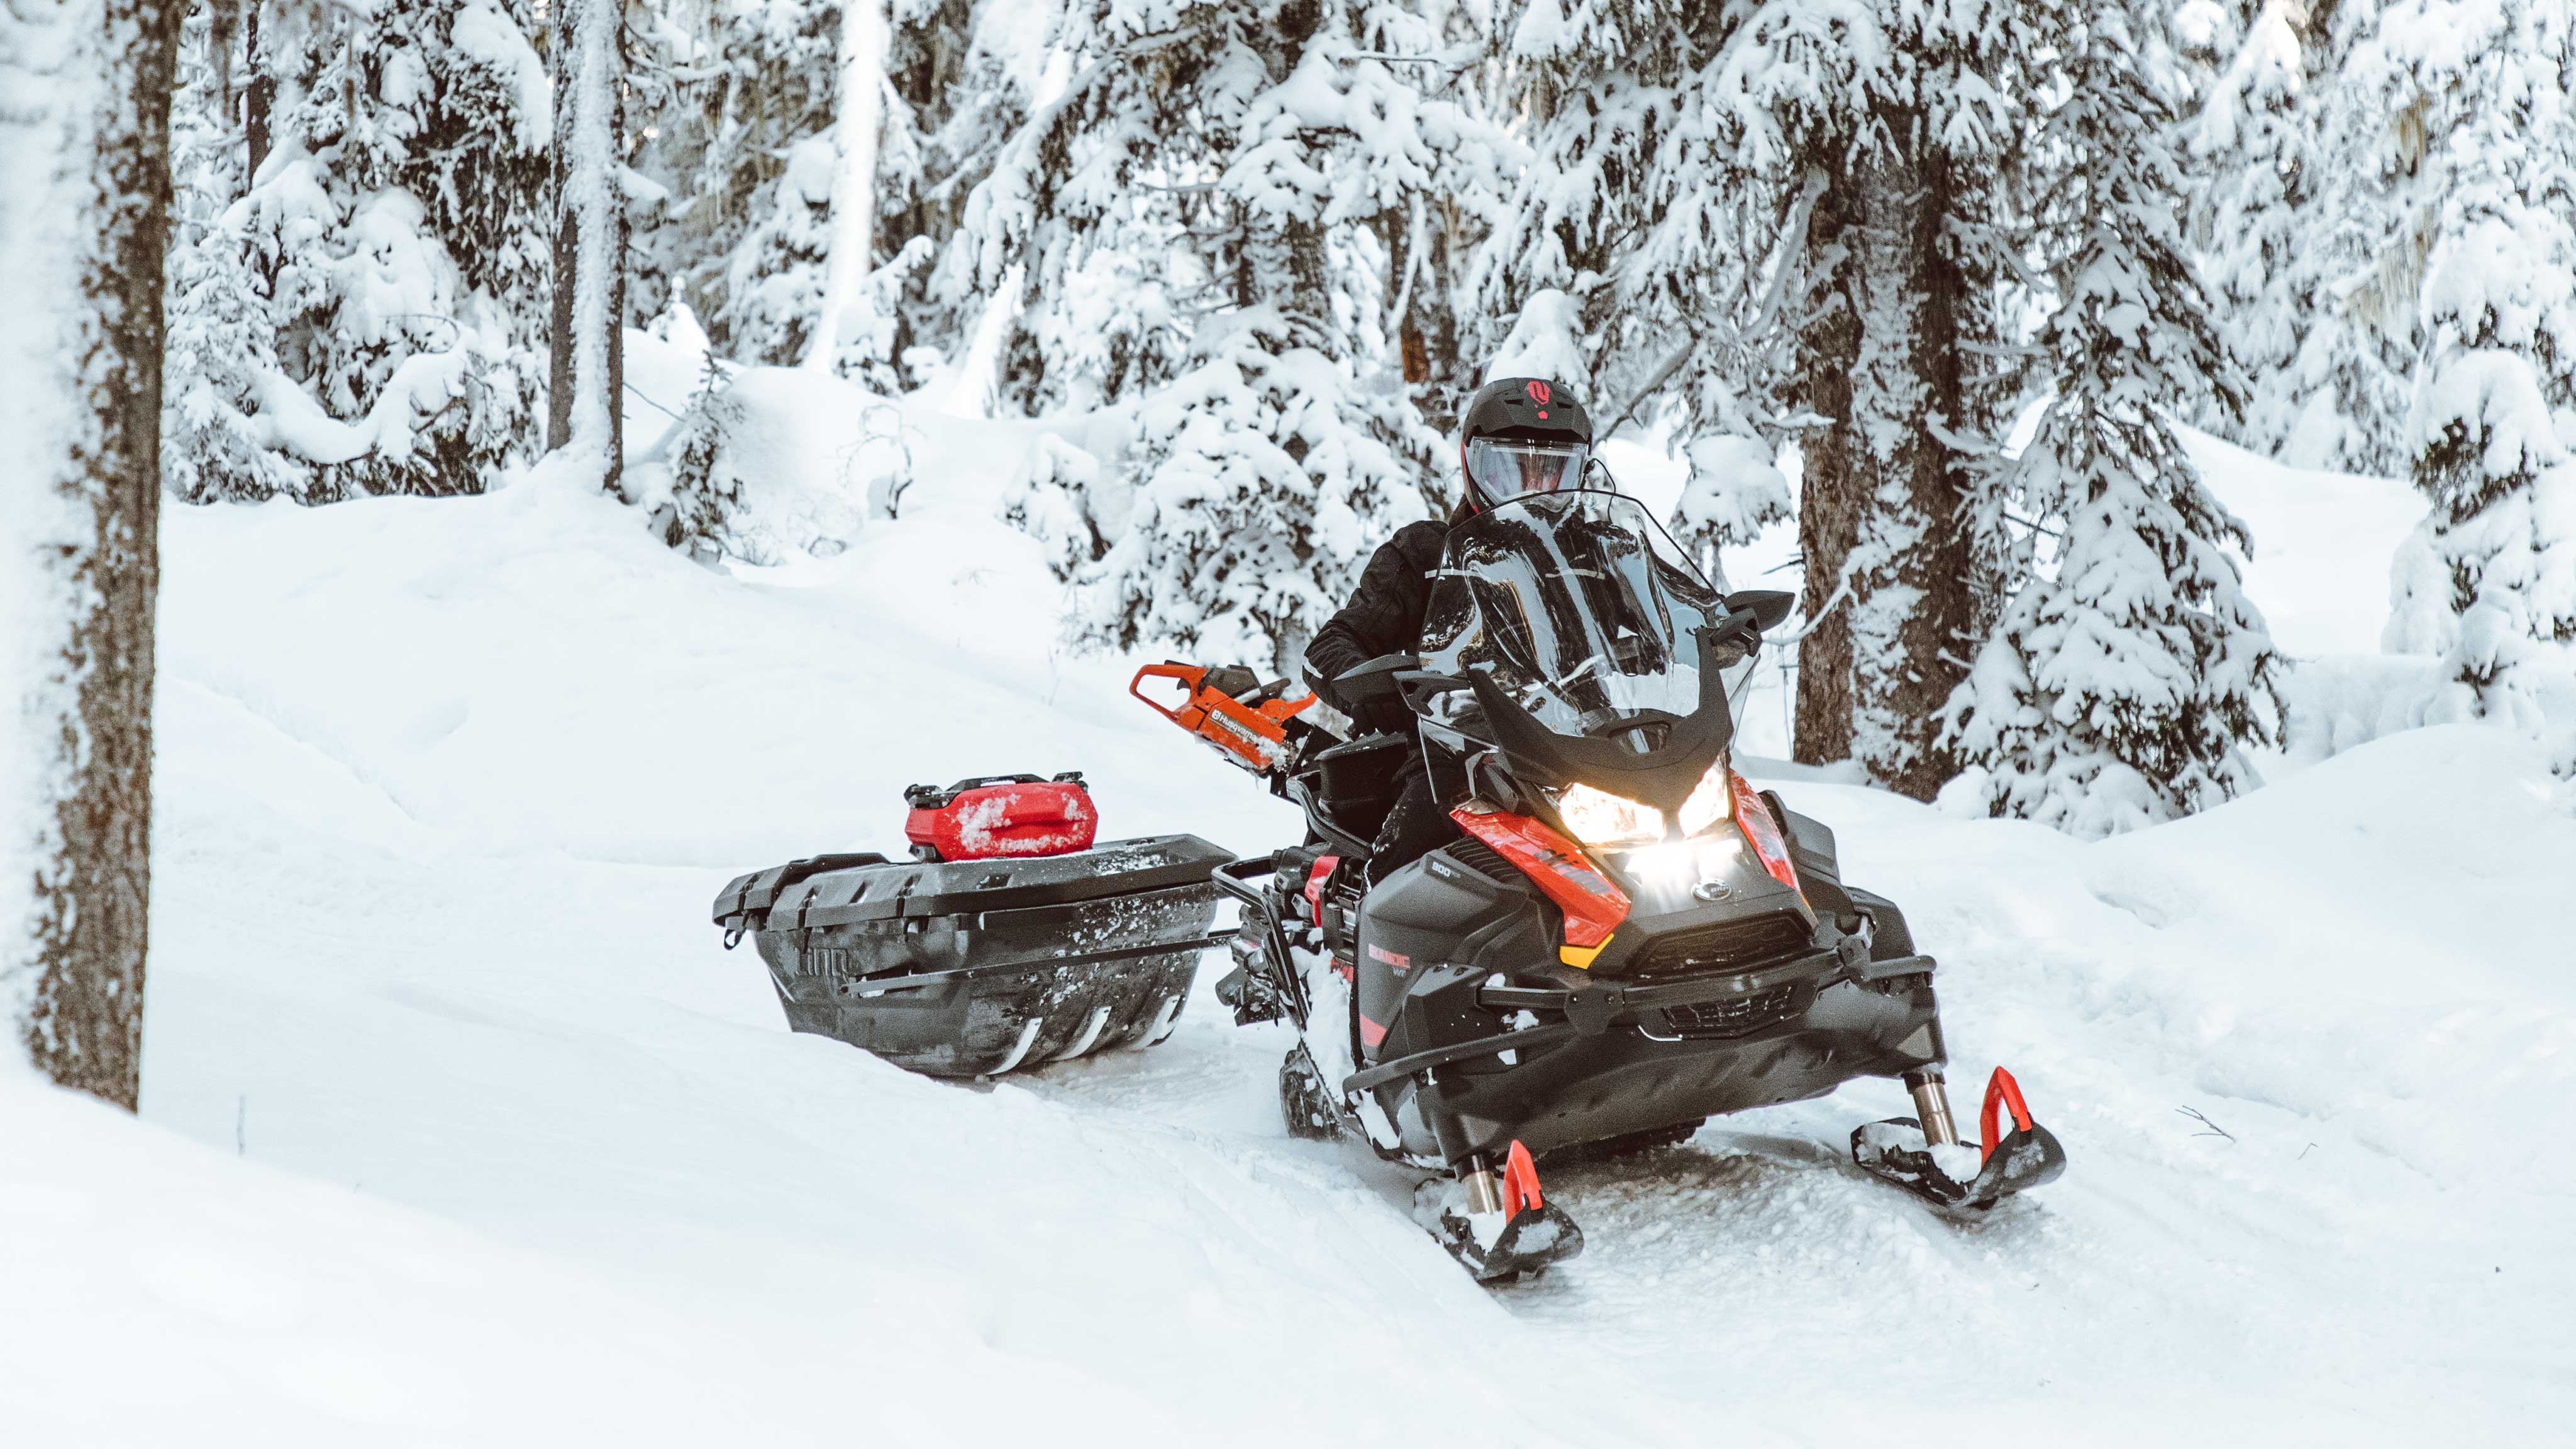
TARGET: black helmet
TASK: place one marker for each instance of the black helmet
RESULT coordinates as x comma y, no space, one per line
1522,435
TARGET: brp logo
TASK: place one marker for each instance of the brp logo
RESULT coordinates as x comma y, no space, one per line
1538,393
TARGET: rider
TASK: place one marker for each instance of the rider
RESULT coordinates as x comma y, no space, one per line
1519,435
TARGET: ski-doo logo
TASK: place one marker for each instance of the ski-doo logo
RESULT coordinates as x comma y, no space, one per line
1538,393
1396,959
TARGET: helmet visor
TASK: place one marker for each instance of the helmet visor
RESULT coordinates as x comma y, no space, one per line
1502,468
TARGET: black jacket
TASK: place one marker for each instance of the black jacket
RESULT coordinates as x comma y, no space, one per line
1384,616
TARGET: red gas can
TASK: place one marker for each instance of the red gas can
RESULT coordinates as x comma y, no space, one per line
1000,815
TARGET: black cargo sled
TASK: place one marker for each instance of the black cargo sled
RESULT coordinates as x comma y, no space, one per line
976,967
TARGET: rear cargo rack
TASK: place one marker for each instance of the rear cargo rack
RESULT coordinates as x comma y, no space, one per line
980,967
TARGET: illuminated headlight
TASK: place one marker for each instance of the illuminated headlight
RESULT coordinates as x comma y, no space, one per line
1711,800
1597,817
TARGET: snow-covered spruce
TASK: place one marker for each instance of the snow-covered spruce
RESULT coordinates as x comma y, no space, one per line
1259,490
2256,174
1804,221
742,156
1641,227
2490,579
2129,665
368,316
1253,157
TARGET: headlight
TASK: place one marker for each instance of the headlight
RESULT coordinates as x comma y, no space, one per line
1598,817
1711,800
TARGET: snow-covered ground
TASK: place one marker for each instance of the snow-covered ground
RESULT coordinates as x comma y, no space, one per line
459,1126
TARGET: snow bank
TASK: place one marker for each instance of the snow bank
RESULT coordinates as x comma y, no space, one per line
446,792
446,787
161,1290
2323,543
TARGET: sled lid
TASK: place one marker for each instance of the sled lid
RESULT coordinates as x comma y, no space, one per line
852,889
755,893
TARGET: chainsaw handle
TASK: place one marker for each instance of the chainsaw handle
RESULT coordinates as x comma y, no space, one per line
1190,676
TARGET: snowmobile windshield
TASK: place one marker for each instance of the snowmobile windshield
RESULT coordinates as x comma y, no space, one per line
1582,611
1505,468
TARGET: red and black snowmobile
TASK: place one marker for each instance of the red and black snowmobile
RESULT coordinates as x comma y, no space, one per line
1626,938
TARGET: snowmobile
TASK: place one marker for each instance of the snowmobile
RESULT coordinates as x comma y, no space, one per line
1626,938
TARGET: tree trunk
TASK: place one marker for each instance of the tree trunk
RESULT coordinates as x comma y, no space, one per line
257,97
1887,553
583,403
851,253
84,214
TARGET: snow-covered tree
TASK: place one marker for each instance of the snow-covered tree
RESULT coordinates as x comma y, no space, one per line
2490,578
84,208
1238,153
741,100
2129,666
366,316
1795,220
1732,493
851,207
2257,177
1258,491
586,418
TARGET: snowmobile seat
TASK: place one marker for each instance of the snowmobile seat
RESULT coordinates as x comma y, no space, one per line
1356,782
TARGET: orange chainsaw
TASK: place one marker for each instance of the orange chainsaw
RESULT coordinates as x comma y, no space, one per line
1250,730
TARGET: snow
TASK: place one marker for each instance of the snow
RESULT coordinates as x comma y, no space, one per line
493,39
1546,340
489,1133
2322,541
53,74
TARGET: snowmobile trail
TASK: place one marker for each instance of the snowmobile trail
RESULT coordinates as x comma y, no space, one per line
467,971
2283,1284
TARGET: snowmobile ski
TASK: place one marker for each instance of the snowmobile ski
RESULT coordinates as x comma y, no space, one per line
1898,1151
1501,1229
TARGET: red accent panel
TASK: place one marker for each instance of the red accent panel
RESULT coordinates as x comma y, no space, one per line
1753,817
2001,1091
1315,879
1593,906
1520,1181
1042,818
1371,1033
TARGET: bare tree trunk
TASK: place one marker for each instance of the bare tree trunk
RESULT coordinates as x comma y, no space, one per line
1830,495
588,376
219,52
257,97
84,215
1887,552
